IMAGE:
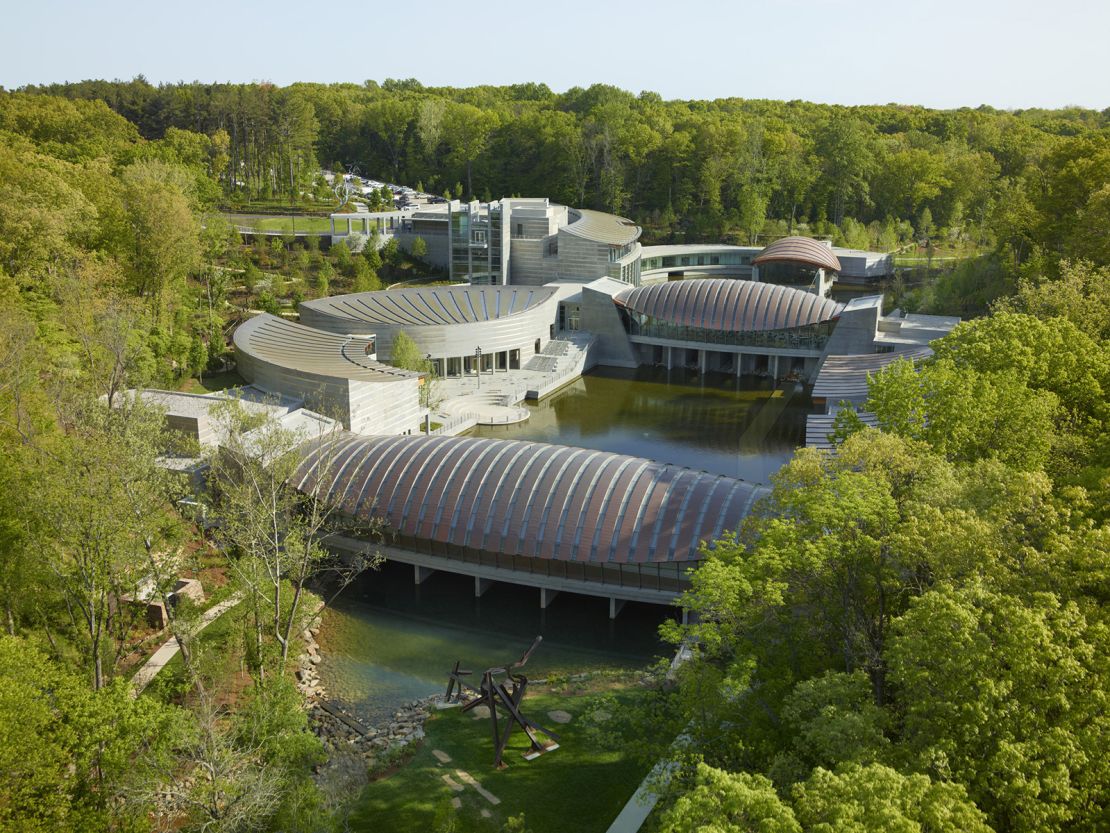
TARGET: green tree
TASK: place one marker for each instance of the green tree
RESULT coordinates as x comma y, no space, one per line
729,802
878,799
1008,696
271,533
73,758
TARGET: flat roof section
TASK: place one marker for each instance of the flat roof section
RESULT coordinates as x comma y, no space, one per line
432,306
730,305
529,499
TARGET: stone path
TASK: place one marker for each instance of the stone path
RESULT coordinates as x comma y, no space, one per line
170,648
470,781
560,716
452,783
441,756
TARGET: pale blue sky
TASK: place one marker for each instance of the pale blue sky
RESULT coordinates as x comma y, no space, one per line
941,53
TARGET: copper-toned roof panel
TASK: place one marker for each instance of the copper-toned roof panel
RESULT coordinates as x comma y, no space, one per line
529,499
803,250
729,304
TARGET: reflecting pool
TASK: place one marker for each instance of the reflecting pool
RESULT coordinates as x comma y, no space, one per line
744,427
386,641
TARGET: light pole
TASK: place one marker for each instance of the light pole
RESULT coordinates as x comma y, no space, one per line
478,365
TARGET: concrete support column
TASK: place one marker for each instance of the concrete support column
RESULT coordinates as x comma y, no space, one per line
615,606
332,221
546,597
670,358
739,361
685,616
348,225
420,574
428,424
366,226
773,366
703,360
481,585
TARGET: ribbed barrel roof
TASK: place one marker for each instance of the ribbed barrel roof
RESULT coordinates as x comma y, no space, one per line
800,250
433,306
729,304
307,350
528,499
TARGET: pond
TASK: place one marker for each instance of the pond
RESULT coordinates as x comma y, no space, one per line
386,641
741,427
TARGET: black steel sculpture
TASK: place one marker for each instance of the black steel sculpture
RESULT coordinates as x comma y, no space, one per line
502,688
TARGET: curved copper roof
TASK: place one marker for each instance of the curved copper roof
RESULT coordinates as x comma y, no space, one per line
731,305
307,350
602,227
432,306
799,250
529,499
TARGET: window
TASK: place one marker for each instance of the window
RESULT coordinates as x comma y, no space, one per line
714,260
478,236
520,229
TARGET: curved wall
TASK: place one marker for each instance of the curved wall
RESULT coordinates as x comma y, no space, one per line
330,373
449,322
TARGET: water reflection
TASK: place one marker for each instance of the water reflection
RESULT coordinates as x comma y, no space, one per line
742,427
386,641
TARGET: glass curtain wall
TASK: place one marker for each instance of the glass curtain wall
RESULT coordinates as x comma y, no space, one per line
810,337
476,245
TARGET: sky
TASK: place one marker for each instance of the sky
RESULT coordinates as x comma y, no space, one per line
940,53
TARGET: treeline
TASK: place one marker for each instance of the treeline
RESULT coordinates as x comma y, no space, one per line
688,170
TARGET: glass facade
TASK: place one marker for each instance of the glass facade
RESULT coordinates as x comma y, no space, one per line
678,261
476,244
809,337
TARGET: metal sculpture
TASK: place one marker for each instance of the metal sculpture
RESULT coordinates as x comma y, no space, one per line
344,190
502,688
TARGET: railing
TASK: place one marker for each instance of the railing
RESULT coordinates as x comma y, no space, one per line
454,424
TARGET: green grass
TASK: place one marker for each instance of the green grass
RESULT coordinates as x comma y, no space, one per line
285,224
580,786
215,653
212,382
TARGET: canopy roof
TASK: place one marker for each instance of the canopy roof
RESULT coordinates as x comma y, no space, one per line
528,499
799,250
729,304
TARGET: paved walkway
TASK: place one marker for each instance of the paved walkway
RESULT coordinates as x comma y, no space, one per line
170,648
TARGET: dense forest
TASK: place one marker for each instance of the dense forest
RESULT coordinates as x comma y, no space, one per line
912,634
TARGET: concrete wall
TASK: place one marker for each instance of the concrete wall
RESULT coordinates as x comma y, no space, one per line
388,407
439,248
855,331
600,317
581,259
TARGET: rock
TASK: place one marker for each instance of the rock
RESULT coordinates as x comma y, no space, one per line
560,716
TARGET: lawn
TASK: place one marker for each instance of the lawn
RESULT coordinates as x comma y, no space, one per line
580,786
212,382
319,224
